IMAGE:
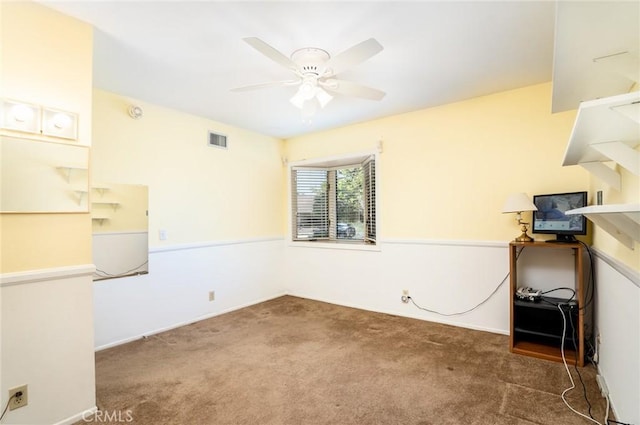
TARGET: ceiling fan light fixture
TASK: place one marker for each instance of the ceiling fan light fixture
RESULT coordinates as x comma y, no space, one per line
315,70
323,97
305,96
307,90
298,99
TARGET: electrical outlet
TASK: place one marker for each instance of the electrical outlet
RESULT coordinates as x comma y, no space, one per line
212,295
19,397
596,354
405,296
162,234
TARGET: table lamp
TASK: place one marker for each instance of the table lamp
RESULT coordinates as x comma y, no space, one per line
518,203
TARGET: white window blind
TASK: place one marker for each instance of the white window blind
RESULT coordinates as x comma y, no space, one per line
336,203
369,171
310,199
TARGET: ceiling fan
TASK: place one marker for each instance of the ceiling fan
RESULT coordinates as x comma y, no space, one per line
316,72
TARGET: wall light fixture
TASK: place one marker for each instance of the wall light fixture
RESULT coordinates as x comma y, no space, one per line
19,116
59,124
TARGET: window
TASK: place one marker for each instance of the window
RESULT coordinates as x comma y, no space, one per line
334,203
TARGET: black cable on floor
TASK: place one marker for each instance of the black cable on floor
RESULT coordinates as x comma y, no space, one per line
7,406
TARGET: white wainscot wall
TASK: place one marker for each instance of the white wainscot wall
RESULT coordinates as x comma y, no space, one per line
176,290
447,276
47,344
618,322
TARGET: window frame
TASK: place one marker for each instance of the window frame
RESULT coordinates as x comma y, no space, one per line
334,163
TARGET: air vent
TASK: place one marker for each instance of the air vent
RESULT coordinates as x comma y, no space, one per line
217,140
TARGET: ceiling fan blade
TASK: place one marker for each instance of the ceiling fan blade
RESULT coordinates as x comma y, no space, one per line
271,53
353,56
348,88
266,85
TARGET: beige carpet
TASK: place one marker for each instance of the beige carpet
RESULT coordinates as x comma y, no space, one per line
296,361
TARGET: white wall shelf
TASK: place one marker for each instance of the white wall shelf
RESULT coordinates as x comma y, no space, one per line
622,221
99,219
100,189
68,169
113,205
81,194
606,130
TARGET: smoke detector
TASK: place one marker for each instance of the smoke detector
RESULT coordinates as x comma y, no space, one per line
135,111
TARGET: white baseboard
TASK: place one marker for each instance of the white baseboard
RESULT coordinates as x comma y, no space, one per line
188,322
82,416
410,316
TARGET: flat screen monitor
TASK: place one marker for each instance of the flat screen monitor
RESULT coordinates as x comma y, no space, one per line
551,218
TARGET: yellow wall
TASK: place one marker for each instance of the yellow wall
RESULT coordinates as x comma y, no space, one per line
445,172
125,206
197,193
46,60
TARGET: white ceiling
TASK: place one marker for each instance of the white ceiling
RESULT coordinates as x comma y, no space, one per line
597,46
188,55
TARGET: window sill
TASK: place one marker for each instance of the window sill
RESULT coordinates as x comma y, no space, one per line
354,246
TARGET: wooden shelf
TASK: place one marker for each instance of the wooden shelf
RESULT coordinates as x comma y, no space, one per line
533,331
544,351
542,305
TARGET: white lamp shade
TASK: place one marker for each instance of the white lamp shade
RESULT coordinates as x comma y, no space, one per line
518,202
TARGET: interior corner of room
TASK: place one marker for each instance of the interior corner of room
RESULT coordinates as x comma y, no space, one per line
126,213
